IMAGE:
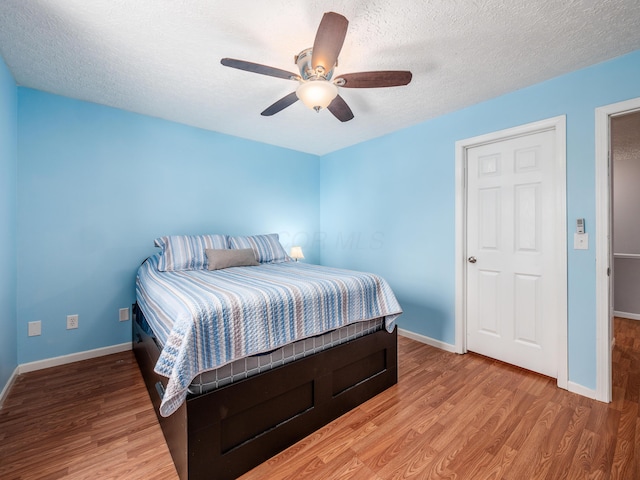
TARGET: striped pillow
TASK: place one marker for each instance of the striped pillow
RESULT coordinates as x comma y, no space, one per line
266,247
187,252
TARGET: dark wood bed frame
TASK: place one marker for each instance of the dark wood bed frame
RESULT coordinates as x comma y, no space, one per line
226,432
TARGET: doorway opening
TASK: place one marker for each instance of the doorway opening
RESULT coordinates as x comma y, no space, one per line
625,198
616,131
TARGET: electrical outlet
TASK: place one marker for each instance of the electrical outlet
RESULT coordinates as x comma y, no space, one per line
124,314
72,322
35,328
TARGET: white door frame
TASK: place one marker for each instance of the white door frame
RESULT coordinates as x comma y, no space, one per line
604,334
559,125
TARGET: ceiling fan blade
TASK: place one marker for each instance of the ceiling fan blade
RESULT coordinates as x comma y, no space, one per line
329,40
259,68
384,78
281,104
340,109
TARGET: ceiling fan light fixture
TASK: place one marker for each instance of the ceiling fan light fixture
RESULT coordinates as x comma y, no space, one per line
317,89
317,94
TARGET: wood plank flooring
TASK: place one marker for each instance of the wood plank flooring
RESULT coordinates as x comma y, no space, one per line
86,420
450,417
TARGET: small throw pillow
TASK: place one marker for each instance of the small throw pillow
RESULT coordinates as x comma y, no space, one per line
219,259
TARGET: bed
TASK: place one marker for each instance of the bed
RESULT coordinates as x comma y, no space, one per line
242,361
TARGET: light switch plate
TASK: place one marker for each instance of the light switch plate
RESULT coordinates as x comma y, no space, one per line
581,241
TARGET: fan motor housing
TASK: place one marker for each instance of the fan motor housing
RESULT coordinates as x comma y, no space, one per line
307,72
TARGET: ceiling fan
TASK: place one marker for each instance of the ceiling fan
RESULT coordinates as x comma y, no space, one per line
317,90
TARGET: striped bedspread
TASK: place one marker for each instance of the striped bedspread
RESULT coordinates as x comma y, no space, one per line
206,319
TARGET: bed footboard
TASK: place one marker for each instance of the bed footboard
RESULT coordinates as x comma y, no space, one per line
226,432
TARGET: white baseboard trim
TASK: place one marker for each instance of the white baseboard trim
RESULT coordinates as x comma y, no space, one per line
580,390
7,387
73,357
428,340
631,316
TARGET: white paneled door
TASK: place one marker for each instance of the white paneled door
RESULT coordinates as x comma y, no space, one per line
511,289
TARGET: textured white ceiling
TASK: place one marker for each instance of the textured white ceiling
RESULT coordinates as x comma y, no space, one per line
162,57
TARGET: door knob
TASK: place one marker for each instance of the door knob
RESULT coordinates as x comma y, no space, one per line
472,259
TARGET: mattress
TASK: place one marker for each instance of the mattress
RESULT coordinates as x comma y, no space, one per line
255,364
249,366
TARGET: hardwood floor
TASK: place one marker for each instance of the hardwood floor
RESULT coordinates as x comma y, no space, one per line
86,420
450,417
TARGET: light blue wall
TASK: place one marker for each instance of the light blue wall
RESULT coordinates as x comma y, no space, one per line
396,195
96,185
8,182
